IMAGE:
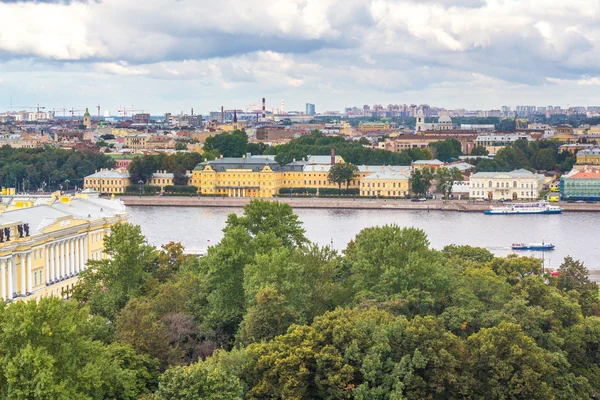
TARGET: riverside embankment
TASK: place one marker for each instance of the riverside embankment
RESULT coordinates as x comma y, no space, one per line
333,203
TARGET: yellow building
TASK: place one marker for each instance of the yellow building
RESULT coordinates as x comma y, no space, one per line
247,176
588,157
259,176
164,178
234,126
387,182
44,248
373,126
136,142
108,181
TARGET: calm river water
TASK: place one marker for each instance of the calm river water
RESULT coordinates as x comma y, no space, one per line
575,234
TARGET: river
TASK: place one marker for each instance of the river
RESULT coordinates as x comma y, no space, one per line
575,233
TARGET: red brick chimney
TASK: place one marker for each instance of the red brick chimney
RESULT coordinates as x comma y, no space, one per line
332,155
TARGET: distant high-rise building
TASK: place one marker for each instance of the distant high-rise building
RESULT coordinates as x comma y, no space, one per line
310,109
143,118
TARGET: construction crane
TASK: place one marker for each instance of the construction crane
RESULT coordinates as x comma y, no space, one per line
37,107
73,111
98,107
63,110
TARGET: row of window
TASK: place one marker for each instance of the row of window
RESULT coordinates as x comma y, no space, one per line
97,237
503,184
388,193
379,184
104,181
484,193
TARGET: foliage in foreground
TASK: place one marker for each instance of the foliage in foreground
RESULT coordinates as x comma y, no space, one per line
267,314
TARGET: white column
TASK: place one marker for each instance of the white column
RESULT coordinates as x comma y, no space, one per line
78,255
23,266
67,259
63,259
71,257
29,272
11,263
3,279
47,264
85,251
52,274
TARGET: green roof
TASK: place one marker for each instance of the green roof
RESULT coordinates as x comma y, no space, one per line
119,156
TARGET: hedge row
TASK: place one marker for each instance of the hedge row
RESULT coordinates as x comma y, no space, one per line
146,189
180,189
301,190
321,191
336,192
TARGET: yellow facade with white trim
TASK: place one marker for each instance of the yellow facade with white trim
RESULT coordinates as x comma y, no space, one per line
63,236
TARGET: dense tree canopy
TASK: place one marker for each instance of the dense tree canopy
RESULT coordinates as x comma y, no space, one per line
535,155
267,314
48,167
141,168
446,150
352,151
232,144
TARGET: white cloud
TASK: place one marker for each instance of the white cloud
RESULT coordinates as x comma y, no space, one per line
121,68
297,47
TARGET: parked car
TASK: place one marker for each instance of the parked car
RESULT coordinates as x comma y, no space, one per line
480,200
419,199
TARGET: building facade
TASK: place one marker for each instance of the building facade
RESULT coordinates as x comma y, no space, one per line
108,181
373,126
588,157
515,185
388,182
247,176
582,185
44,248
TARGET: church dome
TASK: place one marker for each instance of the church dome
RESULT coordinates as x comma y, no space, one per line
445,118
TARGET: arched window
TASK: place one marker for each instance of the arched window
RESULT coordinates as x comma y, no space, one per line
490,184
514,184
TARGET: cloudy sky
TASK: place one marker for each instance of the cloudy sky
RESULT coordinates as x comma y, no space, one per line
171,55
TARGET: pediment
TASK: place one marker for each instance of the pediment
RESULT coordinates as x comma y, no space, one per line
58,224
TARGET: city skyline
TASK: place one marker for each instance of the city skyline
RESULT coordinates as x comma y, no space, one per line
167,56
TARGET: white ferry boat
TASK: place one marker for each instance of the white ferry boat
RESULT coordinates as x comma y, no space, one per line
541,207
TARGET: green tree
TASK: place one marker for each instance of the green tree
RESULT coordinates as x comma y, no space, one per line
573,276
507,364
446,149
445,179
479,151
201,381
420,180
228,144
262,217
342,173
180,146
390,260
512,157
270,316
107,284
50,351
545,159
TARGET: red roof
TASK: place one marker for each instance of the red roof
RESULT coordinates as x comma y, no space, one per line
586,175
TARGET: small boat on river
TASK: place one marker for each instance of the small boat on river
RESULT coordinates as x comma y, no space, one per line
533,246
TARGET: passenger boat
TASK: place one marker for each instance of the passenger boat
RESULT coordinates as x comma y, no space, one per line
533,246
541,207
